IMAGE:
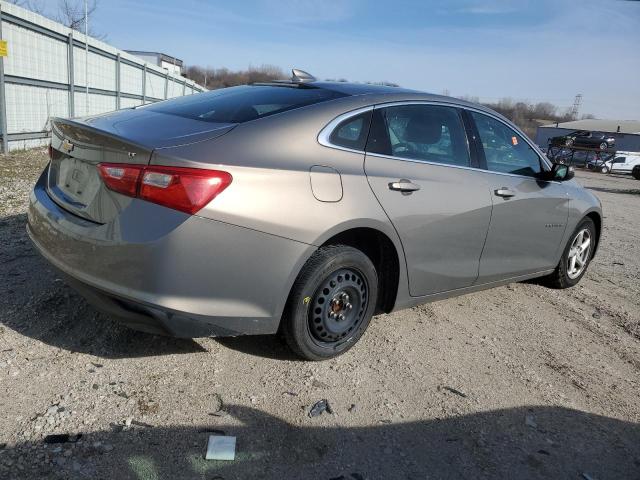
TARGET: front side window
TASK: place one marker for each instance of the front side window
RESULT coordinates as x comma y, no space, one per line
504,149
428,133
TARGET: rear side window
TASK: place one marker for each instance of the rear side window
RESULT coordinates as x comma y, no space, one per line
504,149
428,133
352,132
242,104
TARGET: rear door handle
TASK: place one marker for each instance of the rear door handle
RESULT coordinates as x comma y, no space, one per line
505,192
405,186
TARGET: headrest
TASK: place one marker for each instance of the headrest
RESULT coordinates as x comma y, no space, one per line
424,128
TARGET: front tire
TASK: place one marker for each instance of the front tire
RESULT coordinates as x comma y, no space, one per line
575,257
604,169
331,303
604,146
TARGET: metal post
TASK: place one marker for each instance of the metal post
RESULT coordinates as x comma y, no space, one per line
118,81
3,103
72,83
184,88
144,84
166,85
86,58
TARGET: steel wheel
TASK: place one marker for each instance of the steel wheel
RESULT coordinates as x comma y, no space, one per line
579,253
568,142
603,146
338,306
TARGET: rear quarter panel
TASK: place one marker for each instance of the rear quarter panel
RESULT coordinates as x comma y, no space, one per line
270,161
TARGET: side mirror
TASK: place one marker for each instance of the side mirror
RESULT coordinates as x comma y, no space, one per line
560,172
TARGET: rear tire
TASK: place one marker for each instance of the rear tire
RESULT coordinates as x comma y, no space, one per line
331,303
636,173
568,273
604,169
604,146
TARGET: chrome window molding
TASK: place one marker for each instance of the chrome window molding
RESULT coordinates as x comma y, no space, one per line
475,169
325,135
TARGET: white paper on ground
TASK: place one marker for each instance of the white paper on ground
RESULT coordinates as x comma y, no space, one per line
221,448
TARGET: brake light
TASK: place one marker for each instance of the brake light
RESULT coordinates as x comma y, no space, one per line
184,189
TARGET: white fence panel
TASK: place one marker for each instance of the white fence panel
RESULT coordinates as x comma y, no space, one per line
130,79
155,85
34,55
129,102
29,108
45,74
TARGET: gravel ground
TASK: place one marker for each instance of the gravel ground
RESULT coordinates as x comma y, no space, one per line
515,382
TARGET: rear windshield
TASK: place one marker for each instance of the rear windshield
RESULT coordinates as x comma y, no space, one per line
241,104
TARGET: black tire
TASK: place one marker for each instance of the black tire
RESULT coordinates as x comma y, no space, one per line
311,323
604,146
560,277
568,142
636,173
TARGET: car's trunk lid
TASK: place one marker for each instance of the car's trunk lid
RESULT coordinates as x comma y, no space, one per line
126,137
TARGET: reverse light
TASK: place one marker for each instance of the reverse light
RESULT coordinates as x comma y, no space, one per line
184,189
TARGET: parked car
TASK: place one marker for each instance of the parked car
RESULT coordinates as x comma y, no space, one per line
303,207
621,164
584,139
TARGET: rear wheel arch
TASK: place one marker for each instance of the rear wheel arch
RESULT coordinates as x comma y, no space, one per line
384,255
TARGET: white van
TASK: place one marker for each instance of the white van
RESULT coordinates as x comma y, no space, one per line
622,163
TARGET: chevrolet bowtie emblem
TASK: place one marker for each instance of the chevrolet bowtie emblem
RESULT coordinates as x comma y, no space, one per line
67,145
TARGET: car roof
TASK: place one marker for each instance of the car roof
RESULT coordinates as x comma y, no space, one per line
362,94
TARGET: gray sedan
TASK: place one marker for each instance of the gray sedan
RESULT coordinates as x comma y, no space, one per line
302,207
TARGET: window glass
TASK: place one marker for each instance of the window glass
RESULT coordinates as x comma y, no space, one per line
505,150
420,132
241,104
352,133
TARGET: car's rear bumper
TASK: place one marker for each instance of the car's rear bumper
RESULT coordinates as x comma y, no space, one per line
167,272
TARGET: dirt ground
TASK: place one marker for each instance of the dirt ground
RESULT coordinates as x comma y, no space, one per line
516,382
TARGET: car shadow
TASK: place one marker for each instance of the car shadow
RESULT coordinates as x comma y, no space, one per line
34,301
627,191
536,442
266,346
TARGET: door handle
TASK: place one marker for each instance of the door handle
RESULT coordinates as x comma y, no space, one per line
405,186
505,192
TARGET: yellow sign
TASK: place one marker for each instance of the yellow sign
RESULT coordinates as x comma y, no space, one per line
4,51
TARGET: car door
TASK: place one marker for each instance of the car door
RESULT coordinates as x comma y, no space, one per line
529,214
417,164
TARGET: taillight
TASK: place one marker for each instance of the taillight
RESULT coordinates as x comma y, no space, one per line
184,189
121,178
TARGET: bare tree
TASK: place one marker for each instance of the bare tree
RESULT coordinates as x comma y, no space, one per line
71,13
213,78
33,5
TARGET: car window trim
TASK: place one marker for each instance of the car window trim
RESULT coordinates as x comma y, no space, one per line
324,137
325,133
